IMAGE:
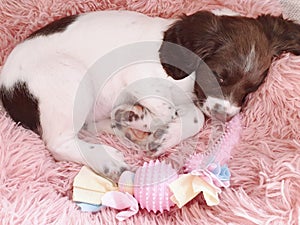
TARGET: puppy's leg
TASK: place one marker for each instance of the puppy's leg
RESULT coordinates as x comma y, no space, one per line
184,122
136,122
133,116
189,121
65,102
101,158
62,141
101,126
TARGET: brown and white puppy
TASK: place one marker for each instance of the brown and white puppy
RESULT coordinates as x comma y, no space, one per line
110,71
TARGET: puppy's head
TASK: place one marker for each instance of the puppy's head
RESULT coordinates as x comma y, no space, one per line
230,56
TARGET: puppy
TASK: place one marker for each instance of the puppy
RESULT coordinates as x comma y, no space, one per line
143,78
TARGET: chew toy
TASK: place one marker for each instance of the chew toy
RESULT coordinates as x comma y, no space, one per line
151,186
156,186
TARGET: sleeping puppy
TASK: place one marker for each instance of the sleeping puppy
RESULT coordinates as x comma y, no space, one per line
111,71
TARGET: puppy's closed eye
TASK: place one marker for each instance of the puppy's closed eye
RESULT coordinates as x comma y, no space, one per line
258,82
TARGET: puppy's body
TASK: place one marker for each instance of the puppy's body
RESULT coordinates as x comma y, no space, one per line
109,71
52,70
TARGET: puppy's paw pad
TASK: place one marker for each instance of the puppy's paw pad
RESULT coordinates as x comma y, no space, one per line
126,116
128,113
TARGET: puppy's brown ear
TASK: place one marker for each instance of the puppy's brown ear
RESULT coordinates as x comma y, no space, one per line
187,42
284,35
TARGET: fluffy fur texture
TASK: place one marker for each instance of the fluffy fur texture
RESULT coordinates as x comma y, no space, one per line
265,165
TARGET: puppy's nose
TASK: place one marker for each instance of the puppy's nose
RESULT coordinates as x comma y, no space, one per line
222,116
221,112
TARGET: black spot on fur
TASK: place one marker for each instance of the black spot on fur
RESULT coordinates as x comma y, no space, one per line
130,116
153,146
123,169
159,133
106,170
118,115
21,105
56,26
118,126
128,136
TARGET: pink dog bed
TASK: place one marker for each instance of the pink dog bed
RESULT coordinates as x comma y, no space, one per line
265,165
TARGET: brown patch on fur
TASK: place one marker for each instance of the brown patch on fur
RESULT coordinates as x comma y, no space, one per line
56,26
22,106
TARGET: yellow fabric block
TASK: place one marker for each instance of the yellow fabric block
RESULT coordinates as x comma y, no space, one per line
188,186
88,187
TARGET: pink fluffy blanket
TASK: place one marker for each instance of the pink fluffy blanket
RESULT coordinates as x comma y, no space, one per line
265,165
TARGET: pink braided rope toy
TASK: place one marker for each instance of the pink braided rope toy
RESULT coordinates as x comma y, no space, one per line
220,150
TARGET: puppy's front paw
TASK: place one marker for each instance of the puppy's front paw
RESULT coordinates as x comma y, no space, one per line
114,172
115,164
132,122
162,139
129,115
105,160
